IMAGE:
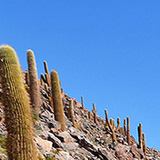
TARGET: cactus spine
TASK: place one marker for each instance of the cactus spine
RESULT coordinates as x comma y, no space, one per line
128,132
140,136
20,145
57,99
94,113
71,113
34,83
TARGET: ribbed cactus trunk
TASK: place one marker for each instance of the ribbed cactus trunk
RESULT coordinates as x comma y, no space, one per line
89,115
57,99
111,126
20,145
34,83
144,144
94,111
140,136
71,113
128,132
82,102
125,129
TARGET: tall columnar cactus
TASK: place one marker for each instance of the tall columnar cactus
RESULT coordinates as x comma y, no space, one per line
94,113
82,103
89,115
111,127
42,79
71,113
57,99
125,129
144,144
46,67
27,77
140,136
47,77
128,132
118,124
34,83
20,145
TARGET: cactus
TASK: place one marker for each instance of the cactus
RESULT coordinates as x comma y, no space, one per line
71,113
121,131
20,145
27,78
57,99
125,129
111,127
47,77
140,136
42,79
89,115
82,103
34,83
46,67
144,144
128,132
118,124
94,113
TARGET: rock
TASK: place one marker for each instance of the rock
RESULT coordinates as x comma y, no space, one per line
55,141
65,137
43,144
63,156
55,124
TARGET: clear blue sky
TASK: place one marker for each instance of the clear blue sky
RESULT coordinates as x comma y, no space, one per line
107,51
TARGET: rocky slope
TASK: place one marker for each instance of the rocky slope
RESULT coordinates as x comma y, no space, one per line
88,141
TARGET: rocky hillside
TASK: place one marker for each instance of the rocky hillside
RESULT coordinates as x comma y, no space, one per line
84,136
88,141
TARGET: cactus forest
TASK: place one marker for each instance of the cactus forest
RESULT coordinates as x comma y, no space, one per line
23,103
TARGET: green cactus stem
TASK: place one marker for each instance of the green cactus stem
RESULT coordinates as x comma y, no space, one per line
82,102
20,144
34,83
140,136
94,111
128,132
57,99
71,113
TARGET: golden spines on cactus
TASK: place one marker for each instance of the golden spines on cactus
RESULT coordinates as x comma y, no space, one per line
57,100
34,83
20,145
